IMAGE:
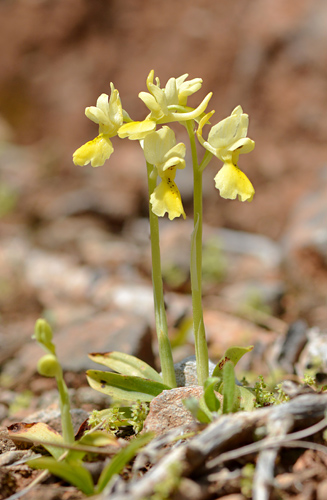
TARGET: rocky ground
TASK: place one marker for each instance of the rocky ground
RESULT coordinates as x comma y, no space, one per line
74,243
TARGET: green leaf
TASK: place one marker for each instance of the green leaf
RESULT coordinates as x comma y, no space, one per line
247,399
72,472
125,364
193,405
121,459
124,387
233,354
209,395
228,387
96,439
38,432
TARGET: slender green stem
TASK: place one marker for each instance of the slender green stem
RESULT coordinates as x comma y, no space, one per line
201,348
66,419
165,353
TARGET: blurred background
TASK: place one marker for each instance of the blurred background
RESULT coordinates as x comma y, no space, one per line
74,241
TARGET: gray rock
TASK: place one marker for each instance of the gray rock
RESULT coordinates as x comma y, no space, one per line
185,372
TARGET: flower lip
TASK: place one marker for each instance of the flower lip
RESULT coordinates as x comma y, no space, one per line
95,152
233,183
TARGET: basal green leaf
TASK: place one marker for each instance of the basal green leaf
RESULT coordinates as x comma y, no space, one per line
209,395
124,387
38,432
121,459
72,472
247,399
97,439
193,405
228,387
233,354
126,364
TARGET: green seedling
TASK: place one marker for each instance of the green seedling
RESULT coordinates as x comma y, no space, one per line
67,454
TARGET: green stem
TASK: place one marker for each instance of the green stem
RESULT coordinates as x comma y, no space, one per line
66,419
165,353
201,348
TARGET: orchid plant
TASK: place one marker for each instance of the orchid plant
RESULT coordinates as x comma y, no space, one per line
226,140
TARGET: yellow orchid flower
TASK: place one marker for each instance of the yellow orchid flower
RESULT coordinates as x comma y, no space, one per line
108,114
166,105
174,94
161,150
163,102
227,140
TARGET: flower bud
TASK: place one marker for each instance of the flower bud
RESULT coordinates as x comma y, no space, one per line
48,366
43,334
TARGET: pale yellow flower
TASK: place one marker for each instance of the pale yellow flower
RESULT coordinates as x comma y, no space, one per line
227,140
161,150
166,105
163,102
108,114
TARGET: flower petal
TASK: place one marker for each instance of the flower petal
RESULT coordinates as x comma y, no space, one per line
151,103
174,161
157,144
243,146
115,111
136,131
229,130
103,104
188,88
166,198
171,92
181,117
179,150
96,151
96,115
232,182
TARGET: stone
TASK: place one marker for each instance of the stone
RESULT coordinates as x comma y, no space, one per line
167,410
185,371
